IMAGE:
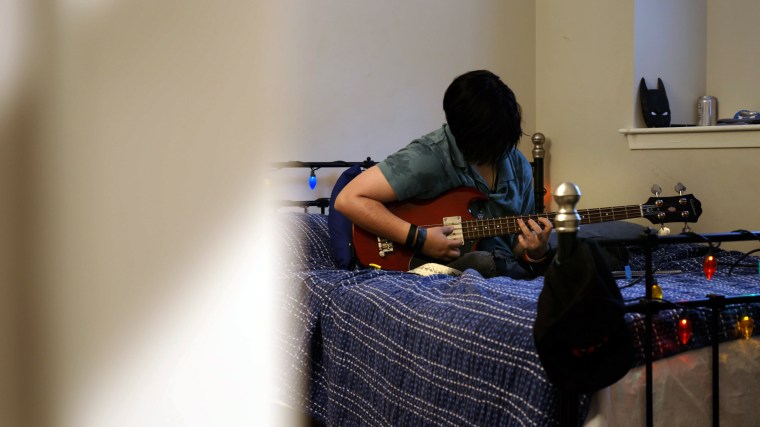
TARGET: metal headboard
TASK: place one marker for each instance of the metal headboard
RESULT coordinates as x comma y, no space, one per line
539,153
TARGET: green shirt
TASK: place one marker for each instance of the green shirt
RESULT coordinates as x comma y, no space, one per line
433,164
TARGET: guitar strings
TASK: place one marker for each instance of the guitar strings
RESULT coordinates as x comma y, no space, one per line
499,226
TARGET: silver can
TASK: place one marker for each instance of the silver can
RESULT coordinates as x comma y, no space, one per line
707,111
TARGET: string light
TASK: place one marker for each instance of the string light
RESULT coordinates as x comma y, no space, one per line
709,265
745,326
313,179
656,291
684,329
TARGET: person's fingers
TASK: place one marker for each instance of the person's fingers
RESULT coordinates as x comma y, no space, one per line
547,226
523,227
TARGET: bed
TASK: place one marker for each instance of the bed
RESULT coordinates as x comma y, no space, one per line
371,346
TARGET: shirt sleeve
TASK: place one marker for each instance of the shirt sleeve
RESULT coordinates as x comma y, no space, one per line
415,171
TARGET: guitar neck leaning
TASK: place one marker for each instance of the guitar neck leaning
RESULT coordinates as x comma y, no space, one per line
482,228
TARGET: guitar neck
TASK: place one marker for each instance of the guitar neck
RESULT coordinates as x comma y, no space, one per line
481,228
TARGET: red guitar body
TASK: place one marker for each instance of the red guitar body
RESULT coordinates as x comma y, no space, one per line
371,250
422,212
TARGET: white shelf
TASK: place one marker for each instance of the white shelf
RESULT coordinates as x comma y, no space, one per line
726,136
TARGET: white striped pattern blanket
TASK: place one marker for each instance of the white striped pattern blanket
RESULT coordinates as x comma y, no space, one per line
382,348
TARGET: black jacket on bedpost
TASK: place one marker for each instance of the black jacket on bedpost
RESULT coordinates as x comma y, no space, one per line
580,332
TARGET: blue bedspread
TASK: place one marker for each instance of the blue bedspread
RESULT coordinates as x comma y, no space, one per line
395,349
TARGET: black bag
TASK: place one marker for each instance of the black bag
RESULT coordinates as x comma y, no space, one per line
580,333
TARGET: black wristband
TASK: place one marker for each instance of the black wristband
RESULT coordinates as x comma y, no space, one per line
421,236
411,236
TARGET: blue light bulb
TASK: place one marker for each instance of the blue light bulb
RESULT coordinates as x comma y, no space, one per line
312,180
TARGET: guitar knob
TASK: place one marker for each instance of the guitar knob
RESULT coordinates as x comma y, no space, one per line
656,190
664,231
680,189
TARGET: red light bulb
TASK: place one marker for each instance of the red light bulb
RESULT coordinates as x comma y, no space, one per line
709,266
684,330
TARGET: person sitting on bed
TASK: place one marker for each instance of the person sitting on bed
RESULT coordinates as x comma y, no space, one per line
475,148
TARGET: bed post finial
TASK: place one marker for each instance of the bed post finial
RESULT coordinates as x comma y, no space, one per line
538,140
568,220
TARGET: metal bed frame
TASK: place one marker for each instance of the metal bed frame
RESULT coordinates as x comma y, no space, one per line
323,203
647,305
716,303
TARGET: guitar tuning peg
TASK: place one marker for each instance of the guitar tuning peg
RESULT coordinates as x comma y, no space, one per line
656,190
680,189
664,231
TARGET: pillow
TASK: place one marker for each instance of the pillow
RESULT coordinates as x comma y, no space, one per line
611,230
340,228
616,256
305,240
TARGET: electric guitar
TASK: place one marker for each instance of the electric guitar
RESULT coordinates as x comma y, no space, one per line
458,208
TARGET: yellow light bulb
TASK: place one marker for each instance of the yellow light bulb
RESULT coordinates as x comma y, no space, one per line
745,326
656,291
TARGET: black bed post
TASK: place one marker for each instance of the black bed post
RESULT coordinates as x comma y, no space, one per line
716,304
649,245
567,221
538,140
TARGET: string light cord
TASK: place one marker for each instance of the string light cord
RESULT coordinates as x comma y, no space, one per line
745,255
640,278
712,245
662,257
710,263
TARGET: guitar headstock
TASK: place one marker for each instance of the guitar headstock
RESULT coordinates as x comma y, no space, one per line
682,208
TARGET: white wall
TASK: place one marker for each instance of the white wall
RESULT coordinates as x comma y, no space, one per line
734,61
585,68
698,47
584,80
142,171
364,78
670,42
15,68
137,156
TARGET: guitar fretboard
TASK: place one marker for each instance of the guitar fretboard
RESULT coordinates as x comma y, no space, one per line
481,228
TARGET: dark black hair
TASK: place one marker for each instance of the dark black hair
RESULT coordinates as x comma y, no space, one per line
483,116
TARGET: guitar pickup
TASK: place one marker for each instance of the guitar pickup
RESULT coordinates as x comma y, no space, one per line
454,222
384,246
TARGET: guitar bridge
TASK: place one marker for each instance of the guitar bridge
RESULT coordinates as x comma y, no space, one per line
384,246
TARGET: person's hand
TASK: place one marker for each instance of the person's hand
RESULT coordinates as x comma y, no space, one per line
534,239
439,246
